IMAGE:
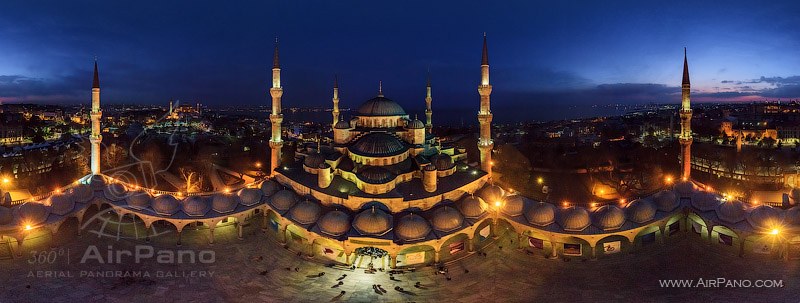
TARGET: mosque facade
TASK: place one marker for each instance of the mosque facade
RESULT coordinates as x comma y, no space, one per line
384,182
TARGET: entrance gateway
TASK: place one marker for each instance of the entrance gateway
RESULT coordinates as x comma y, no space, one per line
371,258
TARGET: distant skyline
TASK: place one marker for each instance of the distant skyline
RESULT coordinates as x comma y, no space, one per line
578,52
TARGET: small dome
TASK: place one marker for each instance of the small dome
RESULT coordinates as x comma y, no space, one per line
447,219
305,212
513,205
224,203
314,159
249,196
472,206
97,182
115,192
270,187
377,145
31,213
81,193
705,201
731,211
792,215
641,210
429,167
166,205
284,200
412,227
196,206
540,213
324,165
415,124
346,164
61,204
380,106
442,161
334,223
795,194
139,200
765,217
375,175
609,217
491,193
6,216
343,124
574,219
373,221
666,200
684,188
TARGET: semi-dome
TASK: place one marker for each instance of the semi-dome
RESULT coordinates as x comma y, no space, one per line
31,213
472,206
732,211
375,175
380,106
314,159
792,216
6,216
684,188
513,205
305,212
343,124
491,193
283,200
609,217
641,210
447,219
97,182
705,201
81,193
373,222
334,223
574,219
61,204
442,161
249,196
412,227
195,206
666,200
270,187
765,217
166,205
540,213
115,192
416,124
224,203
139,200
377,145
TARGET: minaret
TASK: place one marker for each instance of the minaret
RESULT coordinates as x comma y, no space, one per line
685,137
335,101
428,112
170,106
485,143
95,115
276,118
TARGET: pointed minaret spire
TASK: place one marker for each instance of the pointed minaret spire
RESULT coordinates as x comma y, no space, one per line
685,68
96,82
485,55
275,61
335,111
428,99
380,88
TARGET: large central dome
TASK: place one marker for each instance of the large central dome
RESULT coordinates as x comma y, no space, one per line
380,106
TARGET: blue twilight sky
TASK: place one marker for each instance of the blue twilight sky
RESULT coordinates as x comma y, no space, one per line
541,52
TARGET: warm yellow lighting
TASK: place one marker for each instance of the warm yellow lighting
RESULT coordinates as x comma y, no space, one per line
497,203
668,180
539,180
622,201
58,190
258,164
77,182
602,191
593,204
684,179
565,203
28,227
775,231
227,190
754,202
6,180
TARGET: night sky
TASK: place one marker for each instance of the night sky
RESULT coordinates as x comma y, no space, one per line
591,52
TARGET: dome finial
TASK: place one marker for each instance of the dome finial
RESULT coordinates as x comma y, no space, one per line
380,88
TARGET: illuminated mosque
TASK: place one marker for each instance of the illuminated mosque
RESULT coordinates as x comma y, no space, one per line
385,183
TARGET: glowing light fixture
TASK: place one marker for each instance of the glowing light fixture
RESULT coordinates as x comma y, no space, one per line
775,231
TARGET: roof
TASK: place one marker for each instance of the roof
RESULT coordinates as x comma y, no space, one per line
377,145
381,106
685,68
96,82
